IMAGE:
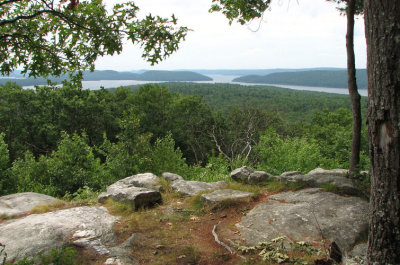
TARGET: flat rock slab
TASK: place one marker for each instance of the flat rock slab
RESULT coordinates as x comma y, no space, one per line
319,177
36,233
192,188
20,203
225,194
307,215
138,197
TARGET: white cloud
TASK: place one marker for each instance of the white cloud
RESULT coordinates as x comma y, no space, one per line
294,34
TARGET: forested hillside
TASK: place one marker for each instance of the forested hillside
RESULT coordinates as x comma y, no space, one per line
291,105
114,75
57,140
318,78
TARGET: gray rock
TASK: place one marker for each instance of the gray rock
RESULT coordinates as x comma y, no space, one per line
329,172
191,188
20,203
225,194
357,255
138,197
307,215
36,233
121,254
144,180
290,173
171,177
138,190
249,176
319,177
258,177
241,174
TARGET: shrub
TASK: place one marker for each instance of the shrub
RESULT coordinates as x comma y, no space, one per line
278,154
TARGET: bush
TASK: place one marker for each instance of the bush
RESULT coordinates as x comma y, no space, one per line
70,167
4,160
165,158
278,154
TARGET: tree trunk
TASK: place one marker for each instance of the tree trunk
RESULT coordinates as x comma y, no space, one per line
382,28
353,91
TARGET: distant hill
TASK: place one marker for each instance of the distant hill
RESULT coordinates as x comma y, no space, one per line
169,76
258,71
317,78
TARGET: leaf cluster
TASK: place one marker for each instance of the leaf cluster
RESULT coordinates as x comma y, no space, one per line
51,37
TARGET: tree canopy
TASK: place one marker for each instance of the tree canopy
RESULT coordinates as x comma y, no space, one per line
59,36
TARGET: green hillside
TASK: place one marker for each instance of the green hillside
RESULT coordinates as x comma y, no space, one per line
317,78
172,76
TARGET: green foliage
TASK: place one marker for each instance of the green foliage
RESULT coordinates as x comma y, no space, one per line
315,78
57,256
241,10
4,163
165,158
276,251
131,154
85,194
278,154
332,132
70,167
48,38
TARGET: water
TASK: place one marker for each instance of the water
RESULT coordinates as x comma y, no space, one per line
93,85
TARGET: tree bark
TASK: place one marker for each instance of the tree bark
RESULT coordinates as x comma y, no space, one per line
353,91
382,28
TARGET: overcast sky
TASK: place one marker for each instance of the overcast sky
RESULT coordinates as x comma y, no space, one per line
293,34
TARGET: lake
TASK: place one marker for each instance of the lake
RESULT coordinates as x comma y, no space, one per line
93,85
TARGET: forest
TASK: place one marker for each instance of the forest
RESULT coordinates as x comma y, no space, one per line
109,75
319,78
59,140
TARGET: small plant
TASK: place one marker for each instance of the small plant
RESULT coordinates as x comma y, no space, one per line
57,256
3,255
275,251
85,195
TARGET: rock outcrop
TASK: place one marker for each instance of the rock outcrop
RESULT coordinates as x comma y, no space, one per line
139,190
320,177
171,177
249,175
192,188
20,203
308,215
83,226
225,194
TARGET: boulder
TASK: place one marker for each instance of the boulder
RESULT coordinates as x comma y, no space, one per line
144,180
319,177
121,254
249,176
241,174
290,173
308,215
171,177
330,172
225,194
20,203
357,255
138,197
191,188
37,233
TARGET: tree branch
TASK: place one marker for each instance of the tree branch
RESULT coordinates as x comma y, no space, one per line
9,2
38,13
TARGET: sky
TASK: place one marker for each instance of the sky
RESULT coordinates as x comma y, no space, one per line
292,34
